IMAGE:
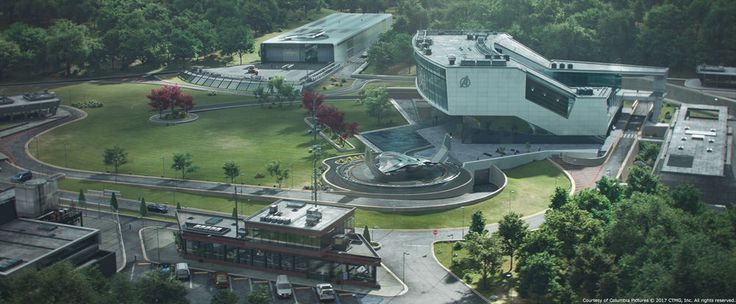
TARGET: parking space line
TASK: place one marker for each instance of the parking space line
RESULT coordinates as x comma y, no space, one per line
230,282
250,284
132,272
144,264
305,287
239,278
262,282
270,291
191,284
201,272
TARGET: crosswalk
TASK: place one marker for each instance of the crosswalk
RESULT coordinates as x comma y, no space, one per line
629,135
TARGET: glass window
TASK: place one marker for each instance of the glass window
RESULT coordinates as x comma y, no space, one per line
539,93
431,80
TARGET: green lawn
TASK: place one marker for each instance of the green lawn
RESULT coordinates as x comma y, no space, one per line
528,192
389,83
666,108
444,252
186,200
327,86
250,136
538,180
399,69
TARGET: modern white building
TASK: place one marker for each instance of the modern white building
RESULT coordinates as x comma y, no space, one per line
334,38
487,76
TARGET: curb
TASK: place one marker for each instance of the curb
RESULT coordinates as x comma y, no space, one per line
404,288
453,274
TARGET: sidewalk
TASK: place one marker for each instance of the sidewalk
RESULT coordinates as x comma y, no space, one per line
391,286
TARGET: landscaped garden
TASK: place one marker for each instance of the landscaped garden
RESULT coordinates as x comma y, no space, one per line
250,136
537,180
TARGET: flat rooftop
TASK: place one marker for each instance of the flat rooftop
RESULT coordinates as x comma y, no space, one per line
219,224
699,143
296,214
446,43
716,70
30,99
331,29
29,240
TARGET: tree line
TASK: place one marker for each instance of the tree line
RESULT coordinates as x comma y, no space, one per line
613,241
673,33
46,36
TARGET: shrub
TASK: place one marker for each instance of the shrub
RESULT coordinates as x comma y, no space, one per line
457,246
87,104
259,175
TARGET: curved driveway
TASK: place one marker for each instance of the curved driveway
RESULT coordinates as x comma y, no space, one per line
428,282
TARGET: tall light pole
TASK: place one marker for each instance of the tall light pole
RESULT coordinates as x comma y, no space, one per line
403,266
158,246
66,161
509,202
463,231
163,167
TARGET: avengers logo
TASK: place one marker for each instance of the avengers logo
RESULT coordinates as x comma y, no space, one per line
465,82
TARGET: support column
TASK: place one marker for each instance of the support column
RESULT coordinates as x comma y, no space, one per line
660,89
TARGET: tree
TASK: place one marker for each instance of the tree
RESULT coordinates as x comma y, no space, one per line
143,209
611,188
232,171
178,206
115,157
478,223
686,197
259,295
224,296
81,200
642,180
512,230
183,162
59,283
332,118
595,203
366,234
158,288
571,226
485,254
274,169
9,54
169,97
114,202
559,198
541,275
275,85
69,43
311,100
377,102
235,37
261,95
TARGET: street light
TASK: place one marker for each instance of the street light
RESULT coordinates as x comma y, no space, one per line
403,266
463,230
158,247
509,202
163,167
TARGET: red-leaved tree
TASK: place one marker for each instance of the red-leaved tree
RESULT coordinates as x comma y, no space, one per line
331,117
169,97
309,97
350,130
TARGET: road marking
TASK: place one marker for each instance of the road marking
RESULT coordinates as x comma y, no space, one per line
132,271
239,278
230,282
144,264
201,272
250,284
305,287
191,284
261,282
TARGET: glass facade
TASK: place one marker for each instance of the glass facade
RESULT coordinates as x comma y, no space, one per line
431,81
539,93
314,268
589,79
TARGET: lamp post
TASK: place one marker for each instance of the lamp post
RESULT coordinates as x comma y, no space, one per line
403,266
462,234
509,202
163,167
158,247
66,161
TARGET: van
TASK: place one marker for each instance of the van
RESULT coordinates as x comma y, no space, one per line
182,271
283,286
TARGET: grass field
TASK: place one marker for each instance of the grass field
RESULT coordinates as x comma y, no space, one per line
401,69
443,251
389,83
186,200
529,189
666,108
538,179
251,136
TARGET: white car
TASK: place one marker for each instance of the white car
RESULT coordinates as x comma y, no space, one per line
325,292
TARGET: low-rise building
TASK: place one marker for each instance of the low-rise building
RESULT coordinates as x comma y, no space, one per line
287,237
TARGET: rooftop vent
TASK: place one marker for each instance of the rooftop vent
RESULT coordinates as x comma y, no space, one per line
709,150
451,59
470,37
427,51
684,139
680,148
584,91
711,141
213,220
272,209
313,216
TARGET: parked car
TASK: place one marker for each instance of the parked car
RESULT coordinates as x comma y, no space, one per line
22,176
182,271
220,280
158,208
165,268
325,292
283,286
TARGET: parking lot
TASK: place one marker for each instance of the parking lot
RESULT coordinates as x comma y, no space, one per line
201,288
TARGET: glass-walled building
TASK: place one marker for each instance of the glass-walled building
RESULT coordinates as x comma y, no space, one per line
477,75
289,237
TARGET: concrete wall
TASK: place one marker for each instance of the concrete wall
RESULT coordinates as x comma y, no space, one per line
512,161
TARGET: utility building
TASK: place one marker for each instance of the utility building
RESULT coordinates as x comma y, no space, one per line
334,38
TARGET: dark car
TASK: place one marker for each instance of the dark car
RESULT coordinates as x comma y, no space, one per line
158,208
22,176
